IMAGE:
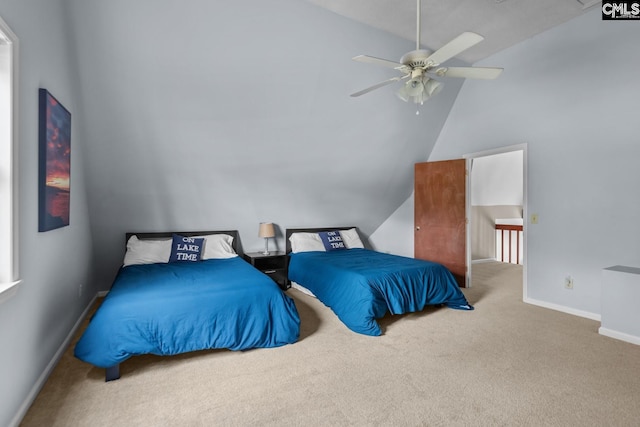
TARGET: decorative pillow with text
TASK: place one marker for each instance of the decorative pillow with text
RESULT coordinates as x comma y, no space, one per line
332,240
186,248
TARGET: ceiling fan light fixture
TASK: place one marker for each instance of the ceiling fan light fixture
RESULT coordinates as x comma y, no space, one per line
414,87
421,98
419,90
433,87
403,94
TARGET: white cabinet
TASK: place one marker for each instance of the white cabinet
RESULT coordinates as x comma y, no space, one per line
619,315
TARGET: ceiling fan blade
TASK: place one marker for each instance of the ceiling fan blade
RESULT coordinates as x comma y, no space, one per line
378,61
461,43
379,85
486,73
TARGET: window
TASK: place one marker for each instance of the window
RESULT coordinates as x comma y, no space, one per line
8,147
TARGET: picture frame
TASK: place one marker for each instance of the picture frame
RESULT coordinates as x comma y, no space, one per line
54,139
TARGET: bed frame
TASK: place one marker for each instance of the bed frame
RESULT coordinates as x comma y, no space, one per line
113,372
169,234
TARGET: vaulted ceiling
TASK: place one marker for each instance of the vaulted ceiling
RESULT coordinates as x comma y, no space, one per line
503,23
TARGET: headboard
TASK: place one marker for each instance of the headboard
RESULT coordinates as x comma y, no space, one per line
290,231
169,234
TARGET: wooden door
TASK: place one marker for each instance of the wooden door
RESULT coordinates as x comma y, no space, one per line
440,215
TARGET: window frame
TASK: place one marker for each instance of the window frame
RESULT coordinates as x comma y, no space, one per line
9,264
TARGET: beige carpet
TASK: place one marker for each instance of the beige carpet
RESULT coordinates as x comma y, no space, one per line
506,363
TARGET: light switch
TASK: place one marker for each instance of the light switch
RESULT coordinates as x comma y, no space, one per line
534,218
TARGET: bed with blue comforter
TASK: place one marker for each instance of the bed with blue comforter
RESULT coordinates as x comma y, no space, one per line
172,308
361,285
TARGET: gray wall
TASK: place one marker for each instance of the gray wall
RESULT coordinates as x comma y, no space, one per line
36,320
582,145
209,117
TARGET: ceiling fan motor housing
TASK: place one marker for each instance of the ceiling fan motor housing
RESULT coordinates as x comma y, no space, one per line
417,59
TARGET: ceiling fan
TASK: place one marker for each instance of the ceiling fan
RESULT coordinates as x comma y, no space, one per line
420,65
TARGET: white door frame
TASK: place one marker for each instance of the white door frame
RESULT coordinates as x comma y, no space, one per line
525,211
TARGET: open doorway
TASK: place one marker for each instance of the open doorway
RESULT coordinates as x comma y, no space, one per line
497,184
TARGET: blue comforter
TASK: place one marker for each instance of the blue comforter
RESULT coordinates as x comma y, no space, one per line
173,308
361,285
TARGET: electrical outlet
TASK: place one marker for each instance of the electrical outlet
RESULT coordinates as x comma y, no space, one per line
568,282
80,290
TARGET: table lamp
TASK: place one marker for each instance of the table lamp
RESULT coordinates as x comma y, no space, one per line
266,230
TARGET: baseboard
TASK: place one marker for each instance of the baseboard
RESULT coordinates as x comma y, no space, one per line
31,397
619,335
562,308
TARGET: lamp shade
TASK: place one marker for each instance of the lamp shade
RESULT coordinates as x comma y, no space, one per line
266,230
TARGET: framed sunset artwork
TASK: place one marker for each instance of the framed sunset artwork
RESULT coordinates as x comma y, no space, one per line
54,137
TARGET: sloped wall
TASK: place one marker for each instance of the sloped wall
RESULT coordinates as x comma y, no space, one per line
210,115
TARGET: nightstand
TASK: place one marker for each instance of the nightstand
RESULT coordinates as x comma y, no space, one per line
273,265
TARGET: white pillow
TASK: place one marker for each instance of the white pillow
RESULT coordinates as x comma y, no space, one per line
351,238
218,246
158,250
306,242
147,251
